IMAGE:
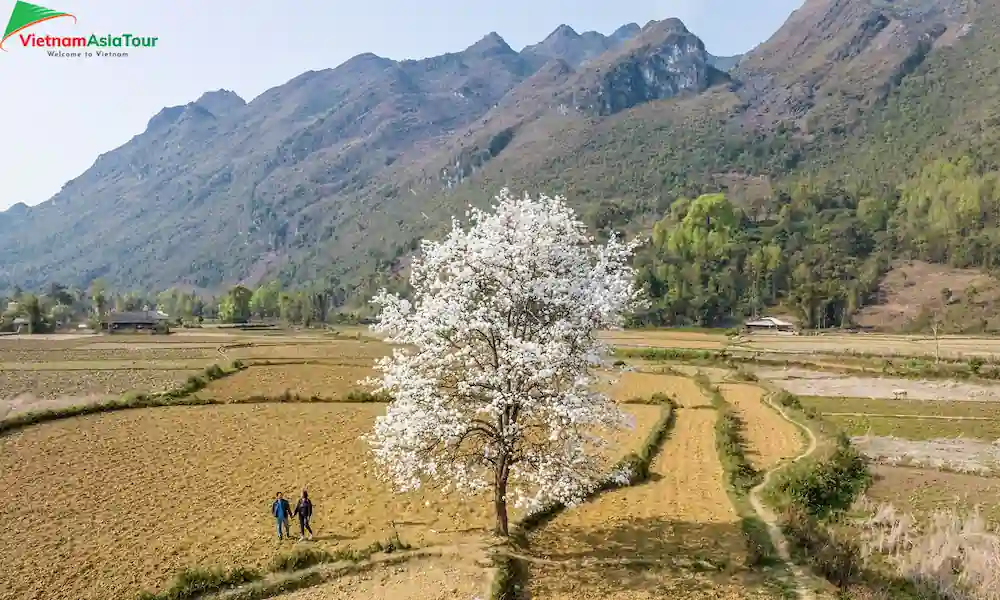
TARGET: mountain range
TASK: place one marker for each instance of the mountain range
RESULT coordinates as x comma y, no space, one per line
335,175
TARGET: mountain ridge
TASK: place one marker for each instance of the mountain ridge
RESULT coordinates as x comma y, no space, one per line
335,174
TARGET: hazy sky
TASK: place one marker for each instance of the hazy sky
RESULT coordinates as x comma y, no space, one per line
59,114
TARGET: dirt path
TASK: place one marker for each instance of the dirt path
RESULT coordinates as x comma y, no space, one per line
768,516
770,438
682,517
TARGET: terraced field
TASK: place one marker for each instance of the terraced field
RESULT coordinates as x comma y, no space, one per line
770,438
642,542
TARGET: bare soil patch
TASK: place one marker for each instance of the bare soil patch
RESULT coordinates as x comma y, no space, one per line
770,438
28,402
814,383
911,286
418,579
960,455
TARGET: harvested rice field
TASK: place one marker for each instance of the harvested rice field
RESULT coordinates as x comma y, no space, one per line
665,338
327,381
156,353
49,385
123,500
356,350
680,517
202,498
632,384
770,438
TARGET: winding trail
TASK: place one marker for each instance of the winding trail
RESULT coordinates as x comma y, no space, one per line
768,516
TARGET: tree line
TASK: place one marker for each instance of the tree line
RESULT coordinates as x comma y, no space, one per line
60,306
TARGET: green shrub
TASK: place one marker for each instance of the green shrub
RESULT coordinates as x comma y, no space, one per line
367,396
195,582
299,559
214,372
976,364
828,487
788,400
838,560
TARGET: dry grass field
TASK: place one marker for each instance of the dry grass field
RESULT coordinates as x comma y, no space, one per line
921,492
327,381
917,428
681,514
769,437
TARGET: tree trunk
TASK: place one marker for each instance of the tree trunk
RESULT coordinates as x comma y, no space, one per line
500,497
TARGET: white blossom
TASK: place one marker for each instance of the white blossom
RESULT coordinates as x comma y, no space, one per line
492,382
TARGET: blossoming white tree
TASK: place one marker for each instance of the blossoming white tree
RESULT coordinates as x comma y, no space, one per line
494,386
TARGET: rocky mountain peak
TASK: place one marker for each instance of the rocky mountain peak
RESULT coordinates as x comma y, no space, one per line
562,32
664,61
626,32
220,102
490,44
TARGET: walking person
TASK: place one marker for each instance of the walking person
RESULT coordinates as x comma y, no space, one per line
281,511
304,510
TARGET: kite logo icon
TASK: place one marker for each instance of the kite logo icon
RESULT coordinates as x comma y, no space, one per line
25,15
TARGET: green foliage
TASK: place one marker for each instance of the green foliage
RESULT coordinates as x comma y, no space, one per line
827,488
711,262
300,558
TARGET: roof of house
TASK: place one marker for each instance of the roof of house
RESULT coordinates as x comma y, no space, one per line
136,316
768,322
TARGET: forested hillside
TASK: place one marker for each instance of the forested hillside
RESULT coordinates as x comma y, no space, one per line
863,133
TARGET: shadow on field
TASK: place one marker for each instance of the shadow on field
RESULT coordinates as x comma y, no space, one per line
689,557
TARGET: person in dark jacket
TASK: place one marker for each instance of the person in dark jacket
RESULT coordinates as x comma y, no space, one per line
281,511
304,510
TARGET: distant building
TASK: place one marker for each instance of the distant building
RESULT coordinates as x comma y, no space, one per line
140,320
769,324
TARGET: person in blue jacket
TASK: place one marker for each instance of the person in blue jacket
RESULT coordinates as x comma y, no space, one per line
281,511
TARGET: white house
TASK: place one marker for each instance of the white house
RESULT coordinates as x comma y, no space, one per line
769,324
